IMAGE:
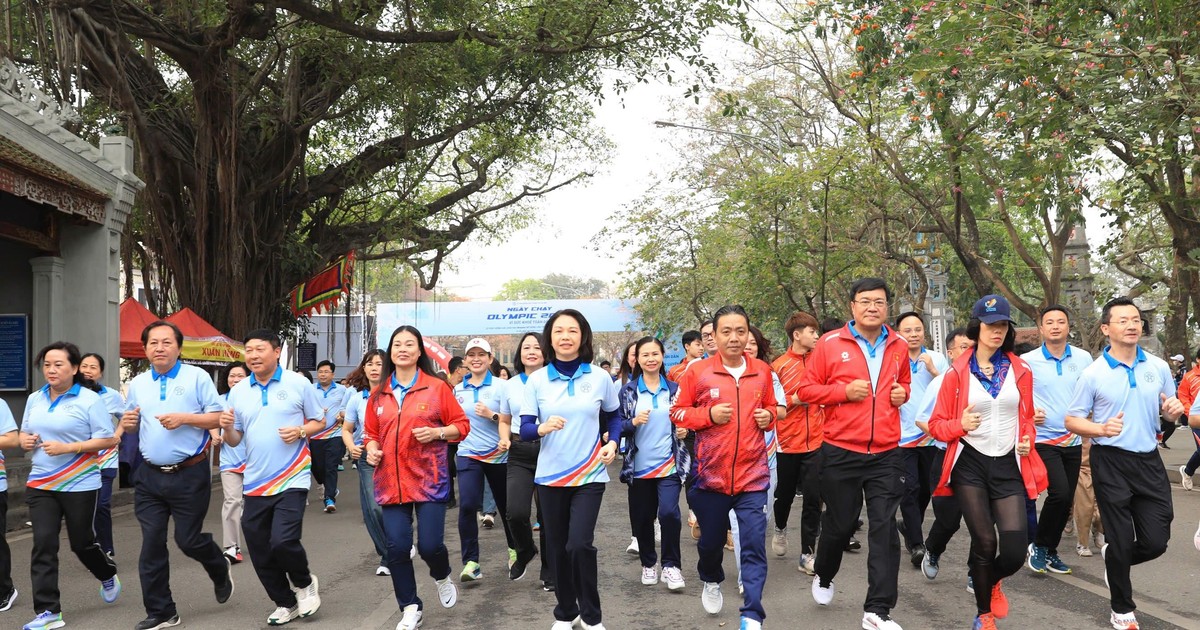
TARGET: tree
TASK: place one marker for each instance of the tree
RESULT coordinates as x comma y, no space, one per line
552,286
276,136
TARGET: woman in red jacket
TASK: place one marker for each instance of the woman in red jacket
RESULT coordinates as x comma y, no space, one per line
409,419
985,415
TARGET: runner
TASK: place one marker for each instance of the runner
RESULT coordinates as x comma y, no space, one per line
9,438
92,368
1123,392
406,443
272,412
233,468
479,458
693,348
172,406
365,379
522,464
985,414
1056,368
1189,386
859,372
729,401
568,405
65,424
326,446
650,466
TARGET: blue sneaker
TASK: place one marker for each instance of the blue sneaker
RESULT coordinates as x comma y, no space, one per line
110,589
1037,559
1055,565
929,565
330,506
45,620
750,624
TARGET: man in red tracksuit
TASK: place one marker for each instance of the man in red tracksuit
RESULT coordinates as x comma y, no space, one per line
859,373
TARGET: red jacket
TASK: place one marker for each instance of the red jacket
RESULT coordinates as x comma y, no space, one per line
802,430
945,423
729,458
411,472
1188,387
871,425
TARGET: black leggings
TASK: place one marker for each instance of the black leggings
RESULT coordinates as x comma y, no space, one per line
998,538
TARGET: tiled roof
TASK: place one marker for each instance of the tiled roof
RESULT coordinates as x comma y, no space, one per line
14,154
61,136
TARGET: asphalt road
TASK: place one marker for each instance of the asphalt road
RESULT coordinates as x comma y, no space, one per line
1167,590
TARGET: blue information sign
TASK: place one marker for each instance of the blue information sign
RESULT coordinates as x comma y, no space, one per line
14,352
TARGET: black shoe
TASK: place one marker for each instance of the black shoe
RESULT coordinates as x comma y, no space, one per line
6,602
853,545
858,525
517,570
916,555
156,623
224,589
548,586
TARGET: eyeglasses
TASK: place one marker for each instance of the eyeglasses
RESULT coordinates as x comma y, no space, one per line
1136,321
880,304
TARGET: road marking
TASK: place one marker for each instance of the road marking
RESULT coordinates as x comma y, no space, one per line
1150,609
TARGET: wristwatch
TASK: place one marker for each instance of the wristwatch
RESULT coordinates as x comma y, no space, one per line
442,434
495,417
302,433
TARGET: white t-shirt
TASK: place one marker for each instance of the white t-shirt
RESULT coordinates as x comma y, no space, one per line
997,431
736,372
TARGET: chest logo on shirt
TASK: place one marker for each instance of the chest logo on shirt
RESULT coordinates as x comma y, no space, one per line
1072,368
178,391
422,406
281,396
1149,377
585,388
714,392
460,398
845,357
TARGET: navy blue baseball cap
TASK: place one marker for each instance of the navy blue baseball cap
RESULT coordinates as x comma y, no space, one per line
991,309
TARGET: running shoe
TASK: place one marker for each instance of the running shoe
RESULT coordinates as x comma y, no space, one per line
330,506
1054,564
853,545
711,598
632,549
157,623
489,521
929,565
1195,541
308,598
1035,558
649,576
283,615
779,542
986,621
471,572
45,620
916,555
1127,621
110,589
999,602
563,625
657,532
970,585
1083,551
520,565
447,592
537,527
808,563
587,626
1185,478
750,624
224,589
512,557
8,600
412,618
233,553
874,621
673,577
383,570
822,594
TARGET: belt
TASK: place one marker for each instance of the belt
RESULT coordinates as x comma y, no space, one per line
174,468
515,437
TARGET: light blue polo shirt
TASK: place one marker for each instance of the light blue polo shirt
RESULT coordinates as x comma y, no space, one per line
7,425
484,435
928,402
872,352
233,458
1054,380
356,413
76,416
115,405
183,389
910,434
655,456
512,395
570,456
259,411
1108,386
333,401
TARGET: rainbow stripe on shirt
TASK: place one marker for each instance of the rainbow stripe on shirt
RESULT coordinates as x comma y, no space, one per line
106,458
586,471
276,482
494,456
326,433
1069,439
64,478
665,469
917,441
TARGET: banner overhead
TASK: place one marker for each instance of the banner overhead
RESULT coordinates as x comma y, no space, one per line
440,319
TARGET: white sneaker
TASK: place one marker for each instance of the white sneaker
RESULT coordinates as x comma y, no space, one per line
779,542
633,546
599,626
308,599
808,563
711,598
649,576
674,578
412,618
1127,621
1196,539
412,552
1084,552
283,615
1185,478
872,621
447,592
657,531
821,594
562,625
1103,553
382,570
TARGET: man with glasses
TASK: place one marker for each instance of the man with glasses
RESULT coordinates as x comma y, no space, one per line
1116,405
860,374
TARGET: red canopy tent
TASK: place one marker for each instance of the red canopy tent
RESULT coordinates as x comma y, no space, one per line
134,318
202,342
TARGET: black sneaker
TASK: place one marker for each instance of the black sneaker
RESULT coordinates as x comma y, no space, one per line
916,555
853,545
548,586
156,623
7,601
517,570
224,589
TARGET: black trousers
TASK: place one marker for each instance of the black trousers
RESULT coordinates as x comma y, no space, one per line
272,526
47,511
569,517
1134,496
522,462
183,497
846,477
1062,468
918,462
6,583
947,516
326,455
801,470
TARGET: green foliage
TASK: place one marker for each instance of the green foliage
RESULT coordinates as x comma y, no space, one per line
552,286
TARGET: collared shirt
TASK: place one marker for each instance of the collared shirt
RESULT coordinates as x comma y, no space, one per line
259,411
356,413
481,443
115,405
1054,380
1000,367
570,456
333,401
7,425
511,395
1108,387
910,434
654,457
872,352
928,402
182,389
233,458
76,416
